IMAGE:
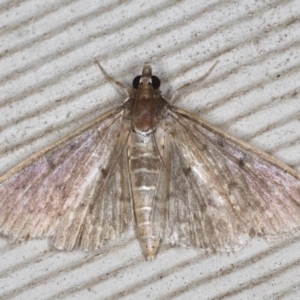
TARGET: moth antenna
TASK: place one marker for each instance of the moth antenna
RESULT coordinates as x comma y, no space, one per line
193,82
120,85
164,165
113,166
159,154
111,79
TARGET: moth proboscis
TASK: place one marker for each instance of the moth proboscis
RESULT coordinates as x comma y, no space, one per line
147,163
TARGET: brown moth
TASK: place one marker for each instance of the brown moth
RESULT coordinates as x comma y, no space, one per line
179,179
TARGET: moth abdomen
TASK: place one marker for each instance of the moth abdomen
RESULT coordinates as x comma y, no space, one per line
144,168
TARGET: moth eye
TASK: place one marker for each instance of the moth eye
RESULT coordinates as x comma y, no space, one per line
136,82
155,82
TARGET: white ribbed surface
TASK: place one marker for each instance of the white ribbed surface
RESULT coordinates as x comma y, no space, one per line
49,86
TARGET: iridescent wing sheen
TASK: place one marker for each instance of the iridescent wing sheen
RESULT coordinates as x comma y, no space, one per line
68,191
223,191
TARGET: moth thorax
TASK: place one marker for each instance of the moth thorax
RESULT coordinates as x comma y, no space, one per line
142,137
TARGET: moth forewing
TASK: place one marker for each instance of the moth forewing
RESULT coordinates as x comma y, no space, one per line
39,194
221,138
240,190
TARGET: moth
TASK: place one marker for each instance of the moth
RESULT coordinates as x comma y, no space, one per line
150,165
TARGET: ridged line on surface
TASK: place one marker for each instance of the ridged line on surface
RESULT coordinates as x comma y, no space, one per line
232,268
50,276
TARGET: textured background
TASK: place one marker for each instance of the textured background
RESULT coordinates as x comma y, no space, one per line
50,86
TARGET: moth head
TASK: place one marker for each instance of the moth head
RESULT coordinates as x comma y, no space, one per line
146,78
